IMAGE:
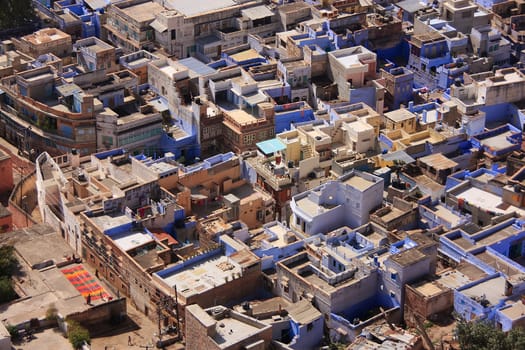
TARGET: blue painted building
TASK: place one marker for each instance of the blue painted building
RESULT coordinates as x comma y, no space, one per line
288,114
428,51
275,243
398,83
498,142
451,72
307,325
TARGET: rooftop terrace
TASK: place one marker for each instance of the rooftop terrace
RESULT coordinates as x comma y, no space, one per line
203,275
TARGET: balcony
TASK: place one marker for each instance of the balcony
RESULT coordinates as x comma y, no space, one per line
264,169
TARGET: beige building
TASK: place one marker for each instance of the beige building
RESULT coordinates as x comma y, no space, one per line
464,15
210,28
400,119
213,187
12,60
128,24
489,88
94,54
44,41
351,68
220,328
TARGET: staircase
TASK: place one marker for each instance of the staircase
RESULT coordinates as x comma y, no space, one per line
209,95
306,151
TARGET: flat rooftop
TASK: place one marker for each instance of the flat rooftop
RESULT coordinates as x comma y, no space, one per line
429,288
275,235
455,279
230,331
515,312
505,76
241,116
498,142
203,276
448,215
98,46
350,57
486,200
310,207
301,266
359,183
105,222
408,257
129,240
497,263
45,35
245,55
438,161
50,247
189,8
161,167
144,12
399,115
391,215
496,236
303,312
150,118
492,290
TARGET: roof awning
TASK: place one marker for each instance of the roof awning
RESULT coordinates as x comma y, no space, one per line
271,146
159,27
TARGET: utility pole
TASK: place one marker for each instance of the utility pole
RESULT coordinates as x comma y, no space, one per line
179,333
160,316
163,306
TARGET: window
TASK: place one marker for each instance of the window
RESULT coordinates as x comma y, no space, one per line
173,34
309,326
249,139
393,276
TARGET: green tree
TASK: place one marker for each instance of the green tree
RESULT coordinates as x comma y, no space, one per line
516,338
77,335
7,293
483,336
13,331
8,261
16,13
8,267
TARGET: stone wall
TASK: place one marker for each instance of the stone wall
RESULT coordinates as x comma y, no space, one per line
22,199
112,311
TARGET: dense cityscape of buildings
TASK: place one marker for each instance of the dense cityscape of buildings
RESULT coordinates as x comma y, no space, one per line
275,174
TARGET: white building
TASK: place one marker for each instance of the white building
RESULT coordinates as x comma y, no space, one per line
359,136
346,201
